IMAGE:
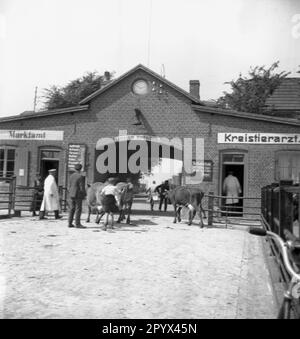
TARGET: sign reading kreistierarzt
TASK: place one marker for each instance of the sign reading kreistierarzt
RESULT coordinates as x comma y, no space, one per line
258,138
31,135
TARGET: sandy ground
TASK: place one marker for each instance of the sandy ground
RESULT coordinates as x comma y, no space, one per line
150,269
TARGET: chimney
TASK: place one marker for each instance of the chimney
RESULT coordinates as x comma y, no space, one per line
195,88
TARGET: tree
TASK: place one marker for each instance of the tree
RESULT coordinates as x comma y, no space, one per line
250,94
75,90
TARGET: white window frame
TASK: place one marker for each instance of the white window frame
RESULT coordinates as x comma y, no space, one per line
6,149
289,166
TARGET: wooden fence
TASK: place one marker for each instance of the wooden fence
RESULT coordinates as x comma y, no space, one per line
15,199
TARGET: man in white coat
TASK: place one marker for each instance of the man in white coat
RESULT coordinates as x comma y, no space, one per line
232,189
51,198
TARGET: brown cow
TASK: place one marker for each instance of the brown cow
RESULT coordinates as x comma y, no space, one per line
187,197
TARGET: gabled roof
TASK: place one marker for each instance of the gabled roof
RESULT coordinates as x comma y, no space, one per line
32,114
244,115
286,96
133,70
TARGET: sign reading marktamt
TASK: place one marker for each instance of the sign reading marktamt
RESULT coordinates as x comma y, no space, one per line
76,155
31,135
258,138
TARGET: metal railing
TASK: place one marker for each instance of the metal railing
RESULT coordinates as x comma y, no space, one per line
248,210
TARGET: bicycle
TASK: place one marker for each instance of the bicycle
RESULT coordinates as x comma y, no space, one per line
291,258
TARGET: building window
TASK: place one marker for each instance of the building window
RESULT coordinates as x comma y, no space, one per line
7,162
288,166
49,154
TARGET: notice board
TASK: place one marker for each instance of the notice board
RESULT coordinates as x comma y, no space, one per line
76,155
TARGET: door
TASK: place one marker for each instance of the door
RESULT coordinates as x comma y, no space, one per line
234,164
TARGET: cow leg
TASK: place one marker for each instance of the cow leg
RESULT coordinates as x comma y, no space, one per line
192,213
112,220
175,209
99,216
106,221
120,216
123,212
89,214
200,216
128,215
179,213
202,210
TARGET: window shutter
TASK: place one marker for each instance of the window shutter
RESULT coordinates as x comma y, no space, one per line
21,167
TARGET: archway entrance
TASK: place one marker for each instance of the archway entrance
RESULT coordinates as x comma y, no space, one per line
142,159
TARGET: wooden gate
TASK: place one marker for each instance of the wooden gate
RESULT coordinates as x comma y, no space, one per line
7,187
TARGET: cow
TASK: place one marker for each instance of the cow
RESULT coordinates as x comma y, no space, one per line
94,198
126,200
94,204
191,198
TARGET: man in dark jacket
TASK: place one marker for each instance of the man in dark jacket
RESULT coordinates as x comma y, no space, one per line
163,191
76,194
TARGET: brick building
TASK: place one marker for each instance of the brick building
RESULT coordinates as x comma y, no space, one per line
259,149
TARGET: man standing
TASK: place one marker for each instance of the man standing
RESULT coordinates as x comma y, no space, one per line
51,197
163,191
76,194
232,189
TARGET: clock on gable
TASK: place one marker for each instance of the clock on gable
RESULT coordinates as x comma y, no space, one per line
140,87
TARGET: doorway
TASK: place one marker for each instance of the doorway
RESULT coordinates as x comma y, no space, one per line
50,159
46,165
235,164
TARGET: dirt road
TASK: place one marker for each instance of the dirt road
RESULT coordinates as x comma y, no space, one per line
150,269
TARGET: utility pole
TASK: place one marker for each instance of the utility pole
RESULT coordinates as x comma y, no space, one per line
35,98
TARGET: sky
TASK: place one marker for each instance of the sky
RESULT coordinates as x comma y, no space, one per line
50,42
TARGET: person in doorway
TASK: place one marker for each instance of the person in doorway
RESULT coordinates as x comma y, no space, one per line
232,190
77,193
151,194
51,197
110,201
162,192
37,194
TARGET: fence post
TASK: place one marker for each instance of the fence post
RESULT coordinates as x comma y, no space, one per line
264,197
299,210
12,198
210,208
273,197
